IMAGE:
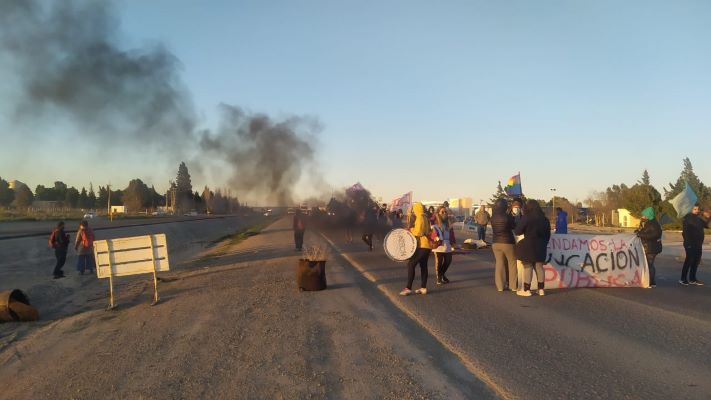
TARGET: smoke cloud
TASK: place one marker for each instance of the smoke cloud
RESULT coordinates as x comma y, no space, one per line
67,60
267,157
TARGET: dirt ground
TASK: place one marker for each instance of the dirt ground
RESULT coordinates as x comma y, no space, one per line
235,326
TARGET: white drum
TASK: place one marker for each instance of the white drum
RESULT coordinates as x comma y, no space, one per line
400,244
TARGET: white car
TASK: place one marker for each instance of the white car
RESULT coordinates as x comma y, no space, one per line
89,215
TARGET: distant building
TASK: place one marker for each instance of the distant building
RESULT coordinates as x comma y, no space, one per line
118,209
461,205
624,219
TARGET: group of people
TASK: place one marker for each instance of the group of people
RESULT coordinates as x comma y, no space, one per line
507,221
83,245
521,232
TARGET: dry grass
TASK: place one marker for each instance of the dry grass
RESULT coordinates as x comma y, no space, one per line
315,252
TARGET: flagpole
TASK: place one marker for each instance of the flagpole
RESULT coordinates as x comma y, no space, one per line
520,183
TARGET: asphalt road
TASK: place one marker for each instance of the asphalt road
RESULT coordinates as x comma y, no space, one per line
572,343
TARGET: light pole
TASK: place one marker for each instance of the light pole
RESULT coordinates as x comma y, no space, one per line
553,213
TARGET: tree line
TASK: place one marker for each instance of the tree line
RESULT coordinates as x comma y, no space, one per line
634,198
137,196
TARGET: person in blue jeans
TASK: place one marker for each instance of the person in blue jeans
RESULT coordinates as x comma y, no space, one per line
84,246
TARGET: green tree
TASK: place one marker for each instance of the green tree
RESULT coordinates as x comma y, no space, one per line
23,197
184,187
102,201
640,196
499,194
45,194
71,197
7,195
136,196
60,192
91,197
687,175
83,202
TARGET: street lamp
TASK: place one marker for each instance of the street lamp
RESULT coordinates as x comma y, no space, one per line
553,213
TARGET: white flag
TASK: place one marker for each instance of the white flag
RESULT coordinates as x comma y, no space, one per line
684,201
401,203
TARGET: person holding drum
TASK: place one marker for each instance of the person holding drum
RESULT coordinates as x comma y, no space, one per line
443,239
421,231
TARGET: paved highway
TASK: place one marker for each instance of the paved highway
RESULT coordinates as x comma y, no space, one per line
572,343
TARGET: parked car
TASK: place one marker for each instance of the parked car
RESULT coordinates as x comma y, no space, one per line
89,215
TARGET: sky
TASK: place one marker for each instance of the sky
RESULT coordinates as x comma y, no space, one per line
443,98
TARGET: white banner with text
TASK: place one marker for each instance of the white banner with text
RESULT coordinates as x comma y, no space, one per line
595,261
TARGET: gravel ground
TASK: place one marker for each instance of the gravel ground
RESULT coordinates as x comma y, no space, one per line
235,326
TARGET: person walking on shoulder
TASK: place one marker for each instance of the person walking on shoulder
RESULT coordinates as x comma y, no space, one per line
502,226
693,233
482,219
650,232
84,246
443,238
59,241
532,249
561,221
421,231
299,226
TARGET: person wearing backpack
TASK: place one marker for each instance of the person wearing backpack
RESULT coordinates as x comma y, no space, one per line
59,241
84,246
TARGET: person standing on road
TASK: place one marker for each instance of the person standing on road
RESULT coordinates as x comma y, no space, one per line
84,246
532,249
443,238
299,225
502,226
650,232
421,231
693,233
59,241
482,219
561,221
369,221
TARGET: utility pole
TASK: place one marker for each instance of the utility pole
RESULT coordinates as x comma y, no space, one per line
108,189
554,216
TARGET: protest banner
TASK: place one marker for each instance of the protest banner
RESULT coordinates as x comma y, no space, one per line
595,261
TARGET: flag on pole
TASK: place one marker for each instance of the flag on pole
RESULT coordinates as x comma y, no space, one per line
684,201
401,203
513,186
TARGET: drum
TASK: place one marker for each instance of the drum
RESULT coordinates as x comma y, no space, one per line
400,244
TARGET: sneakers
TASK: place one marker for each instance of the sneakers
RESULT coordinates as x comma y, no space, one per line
439,281
685,283
444,279
405,292
697,283
541,292
524,293
421,291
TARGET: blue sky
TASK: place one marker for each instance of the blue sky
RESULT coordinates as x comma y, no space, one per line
441,98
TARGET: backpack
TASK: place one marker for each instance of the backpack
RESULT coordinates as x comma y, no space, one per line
87,238
52,239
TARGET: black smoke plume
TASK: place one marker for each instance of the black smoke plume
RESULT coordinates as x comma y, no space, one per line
267,157
67,60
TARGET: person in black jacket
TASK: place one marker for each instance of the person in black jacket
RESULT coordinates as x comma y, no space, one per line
59,241
532,249
693,233
502,225
651,234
